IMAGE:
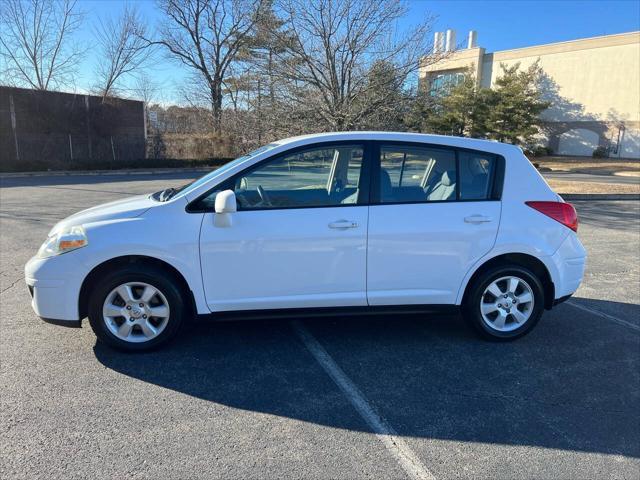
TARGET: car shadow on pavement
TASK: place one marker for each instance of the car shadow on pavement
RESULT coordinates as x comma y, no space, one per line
572,384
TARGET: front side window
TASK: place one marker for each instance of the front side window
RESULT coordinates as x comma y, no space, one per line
416,174
190,187
317,177
321,176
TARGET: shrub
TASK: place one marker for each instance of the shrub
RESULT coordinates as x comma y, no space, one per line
600,152
539,151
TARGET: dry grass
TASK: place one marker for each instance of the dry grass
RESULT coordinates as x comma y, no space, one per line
596,166
563,186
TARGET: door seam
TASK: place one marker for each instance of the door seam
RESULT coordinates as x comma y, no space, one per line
366,260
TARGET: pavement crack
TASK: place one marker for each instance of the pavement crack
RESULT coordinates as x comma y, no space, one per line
13,284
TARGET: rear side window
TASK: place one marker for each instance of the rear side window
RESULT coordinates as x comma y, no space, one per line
416,174
476,172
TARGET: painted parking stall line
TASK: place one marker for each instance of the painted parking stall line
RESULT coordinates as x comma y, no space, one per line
617,320
406,457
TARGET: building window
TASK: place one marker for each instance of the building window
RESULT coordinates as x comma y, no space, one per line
442,83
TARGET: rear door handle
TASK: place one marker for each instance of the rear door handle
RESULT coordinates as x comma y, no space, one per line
477,219
343,224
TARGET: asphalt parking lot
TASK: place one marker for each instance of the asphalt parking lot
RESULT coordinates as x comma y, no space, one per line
272,399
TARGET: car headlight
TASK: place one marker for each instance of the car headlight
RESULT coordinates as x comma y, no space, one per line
63,241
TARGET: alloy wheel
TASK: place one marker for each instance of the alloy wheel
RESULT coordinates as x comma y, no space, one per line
136,312
507,304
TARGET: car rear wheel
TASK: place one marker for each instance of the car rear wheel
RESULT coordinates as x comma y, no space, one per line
505,303
136,308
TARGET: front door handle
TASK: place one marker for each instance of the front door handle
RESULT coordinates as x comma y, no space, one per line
477,219
343,224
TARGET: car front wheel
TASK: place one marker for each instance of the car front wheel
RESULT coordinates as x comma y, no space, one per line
505,303
136,308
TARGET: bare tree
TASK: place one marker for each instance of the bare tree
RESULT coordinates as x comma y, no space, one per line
122,49
336,45
145,89
36,40
207,36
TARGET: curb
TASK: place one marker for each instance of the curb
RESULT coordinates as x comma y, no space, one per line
600,196
93,173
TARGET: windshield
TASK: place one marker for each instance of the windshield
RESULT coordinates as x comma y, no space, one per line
168,193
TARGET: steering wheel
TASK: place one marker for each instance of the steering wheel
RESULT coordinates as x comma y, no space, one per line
264,197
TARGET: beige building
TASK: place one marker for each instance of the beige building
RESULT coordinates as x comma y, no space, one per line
593,85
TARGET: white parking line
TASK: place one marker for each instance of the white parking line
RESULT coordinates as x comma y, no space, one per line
387,435
617,320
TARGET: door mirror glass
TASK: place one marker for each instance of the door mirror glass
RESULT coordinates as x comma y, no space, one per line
226,202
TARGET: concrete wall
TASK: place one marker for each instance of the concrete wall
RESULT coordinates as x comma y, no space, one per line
456,62
593,84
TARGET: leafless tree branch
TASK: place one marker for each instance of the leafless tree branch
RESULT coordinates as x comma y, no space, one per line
122,49
336,45
207,36
36,41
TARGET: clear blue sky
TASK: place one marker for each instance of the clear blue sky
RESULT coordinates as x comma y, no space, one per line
500,25
503,25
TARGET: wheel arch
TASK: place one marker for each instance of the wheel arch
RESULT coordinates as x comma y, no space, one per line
99,270
520,259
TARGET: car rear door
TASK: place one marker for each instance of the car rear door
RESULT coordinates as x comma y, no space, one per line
434,212
298,238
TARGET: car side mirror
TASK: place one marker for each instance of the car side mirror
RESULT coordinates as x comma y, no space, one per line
225,205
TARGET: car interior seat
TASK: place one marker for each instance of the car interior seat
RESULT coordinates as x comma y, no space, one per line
445,189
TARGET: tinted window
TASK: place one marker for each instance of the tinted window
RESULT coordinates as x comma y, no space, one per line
476,171
417,174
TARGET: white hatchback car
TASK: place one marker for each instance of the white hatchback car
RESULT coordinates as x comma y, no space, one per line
320,224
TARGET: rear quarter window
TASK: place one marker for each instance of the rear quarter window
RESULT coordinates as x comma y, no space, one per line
476,171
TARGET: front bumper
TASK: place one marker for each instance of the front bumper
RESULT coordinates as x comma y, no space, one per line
54,284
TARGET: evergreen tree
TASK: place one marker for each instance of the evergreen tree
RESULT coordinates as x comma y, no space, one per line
515,105
451,110
423,105
254,87
461,111
510,112
384,101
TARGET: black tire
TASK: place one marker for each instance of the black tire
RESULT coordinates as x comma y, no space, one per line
148,274
471,306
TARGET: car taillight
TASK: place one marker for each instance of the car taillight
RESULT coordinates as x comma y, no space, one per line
559,211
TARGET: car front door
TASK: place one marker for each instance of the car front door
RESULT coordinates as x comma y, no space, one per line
298,238
434,213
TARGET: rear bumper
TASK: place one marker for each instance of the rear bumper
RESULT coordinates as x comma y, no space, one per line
560,300
569,263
